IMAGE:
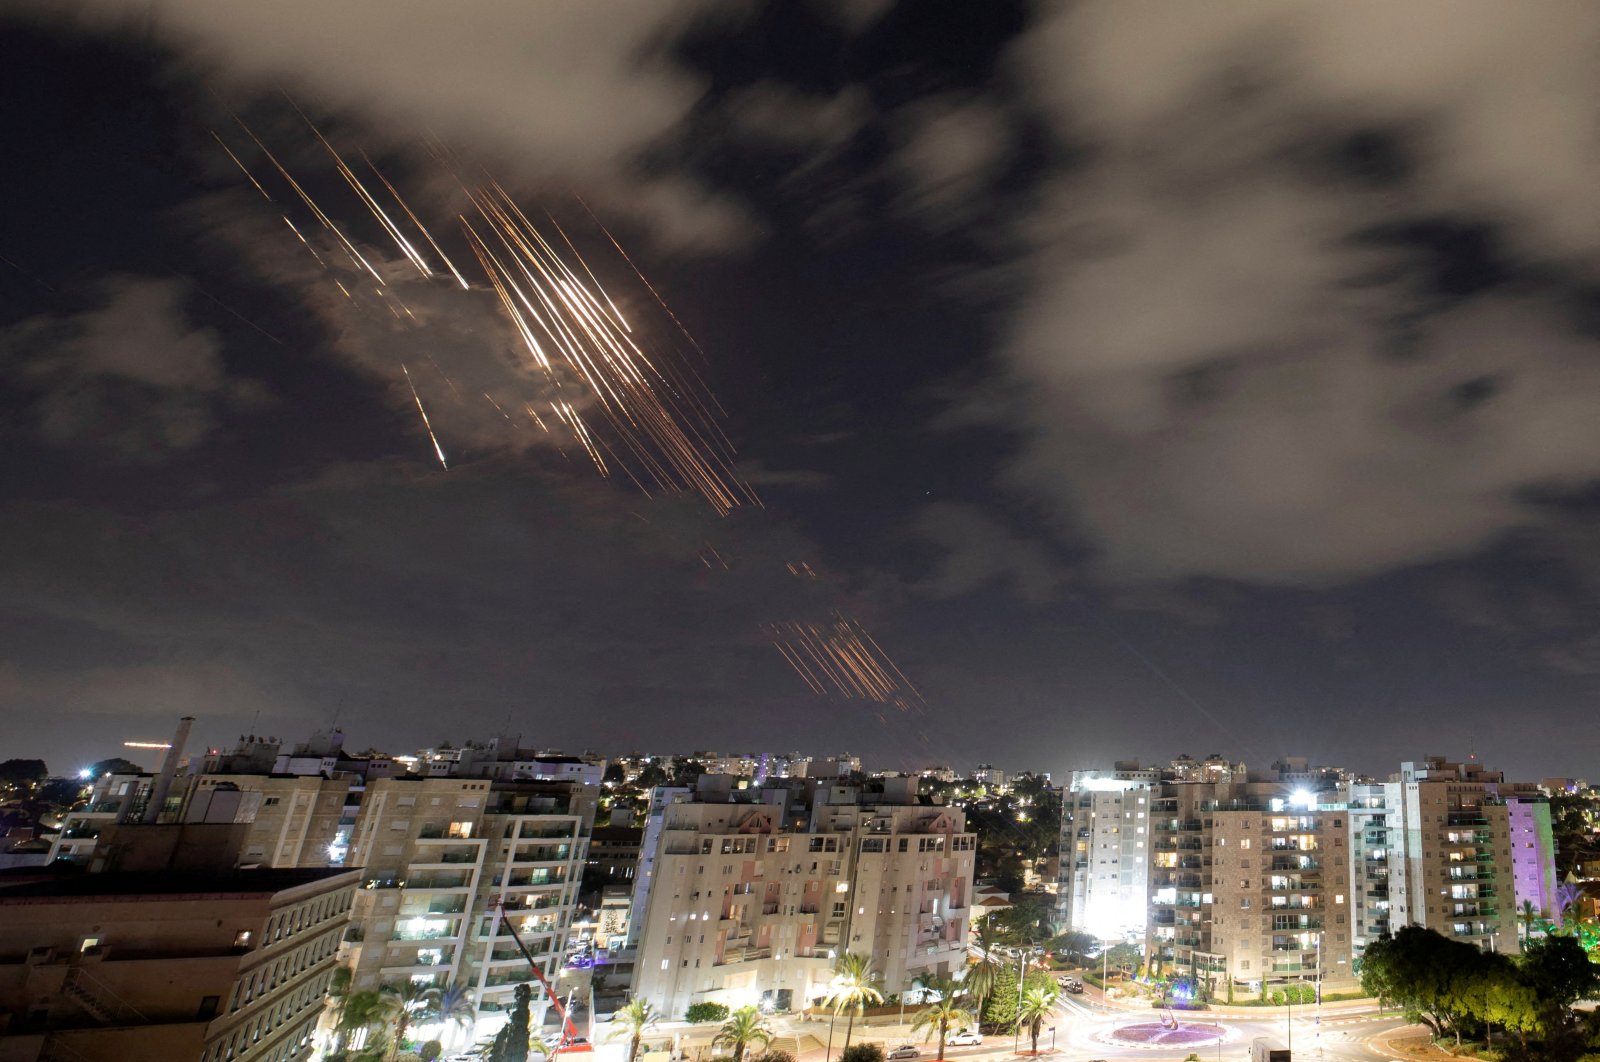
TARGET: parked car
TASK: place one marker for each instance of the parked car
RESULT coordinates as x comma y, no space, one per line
964,1038
904,1051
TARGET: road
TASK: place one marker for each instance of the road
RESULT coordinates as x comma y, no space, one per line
1083,1025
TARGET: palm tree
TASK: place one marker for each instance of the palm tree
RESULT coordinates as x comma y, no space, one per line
744,1026
1526,919
455,1006
940,1016
372,1012
633,1020
1037,1001
338,993
980,981
854,985
412,1000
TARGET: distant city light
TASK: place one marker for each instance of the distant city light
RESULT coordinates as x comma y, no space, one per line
147,744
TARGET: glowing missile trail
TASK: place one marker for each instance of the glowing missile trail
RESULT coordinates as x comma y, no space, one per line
242,167
418,223
431,436
327,222
647,416
841,657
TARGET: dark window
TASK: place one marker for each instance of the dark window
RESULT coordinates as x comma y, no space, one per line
208,1008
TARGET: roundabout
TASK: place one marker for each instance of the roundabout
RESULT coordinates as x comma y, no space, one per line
1163,1034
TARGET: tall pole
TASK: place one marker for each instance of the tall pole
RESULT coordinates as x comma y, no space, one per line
1318,1022
169,769
1022,968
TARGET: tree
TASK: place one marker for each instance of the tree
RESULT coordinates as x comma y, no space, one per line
855,984
862,1053
1528,916
413,1001
1075,946
1558,970
1440,982
338,993
704,1012
1000,1007
939,1016
1038,1000
371,1012
634,1019
22,775
511,1043
115,765
744,1027
455,1007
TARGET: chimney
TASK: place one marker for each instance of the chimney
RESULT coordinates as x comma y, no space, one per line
169,768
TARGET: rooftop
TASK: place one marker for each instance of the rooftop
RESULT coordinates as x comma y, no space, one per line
33,884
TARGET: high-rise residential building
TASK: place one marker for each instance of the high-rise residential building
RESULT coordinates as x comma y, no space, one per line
447,861
1105,853
1465,848
748,895
1249,882
1370,906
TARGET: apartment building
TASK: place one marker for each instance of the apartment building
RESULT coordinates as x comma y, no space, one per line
447,861
1105,856
1370,906
747,895
112,798
295,820
1279,896
1465,849
172,952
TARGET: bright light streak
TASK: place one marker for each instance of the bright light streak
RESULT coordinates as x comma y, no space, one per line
148,744
425,423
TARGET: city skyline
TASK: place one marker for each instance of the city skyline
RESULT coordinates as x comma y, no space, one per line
1109,390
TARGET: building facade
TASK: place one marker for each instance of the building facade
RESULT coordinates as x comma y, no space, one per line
1105,856
447,862
749,895
165,966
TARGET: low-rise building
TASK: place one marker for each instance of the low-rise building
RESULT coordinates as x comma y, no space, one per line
165,965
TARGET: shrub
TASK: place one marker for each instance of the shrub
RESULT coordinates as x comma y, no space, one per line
704,1012
430,1051
862,1053
775,1056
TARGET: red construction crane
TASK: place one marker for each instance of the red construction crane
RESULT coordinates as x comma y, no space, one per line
570,1041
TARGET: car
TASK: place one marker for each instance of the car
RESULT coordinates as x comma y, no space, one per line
904,1051
964,1038
1072,984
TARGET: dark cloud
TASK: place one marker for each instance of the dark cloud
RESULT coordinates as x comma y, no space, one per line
133,377
1235,367
563,97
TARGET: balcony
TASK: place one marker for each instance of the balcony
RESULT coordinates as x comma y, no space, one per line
733,955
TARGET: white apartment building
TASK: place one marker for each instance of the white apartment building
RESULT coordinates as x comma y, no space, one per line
446,862
748,895
1105,856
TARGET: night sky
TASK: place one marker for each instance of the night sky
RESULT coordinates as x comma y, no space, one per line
1146,378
